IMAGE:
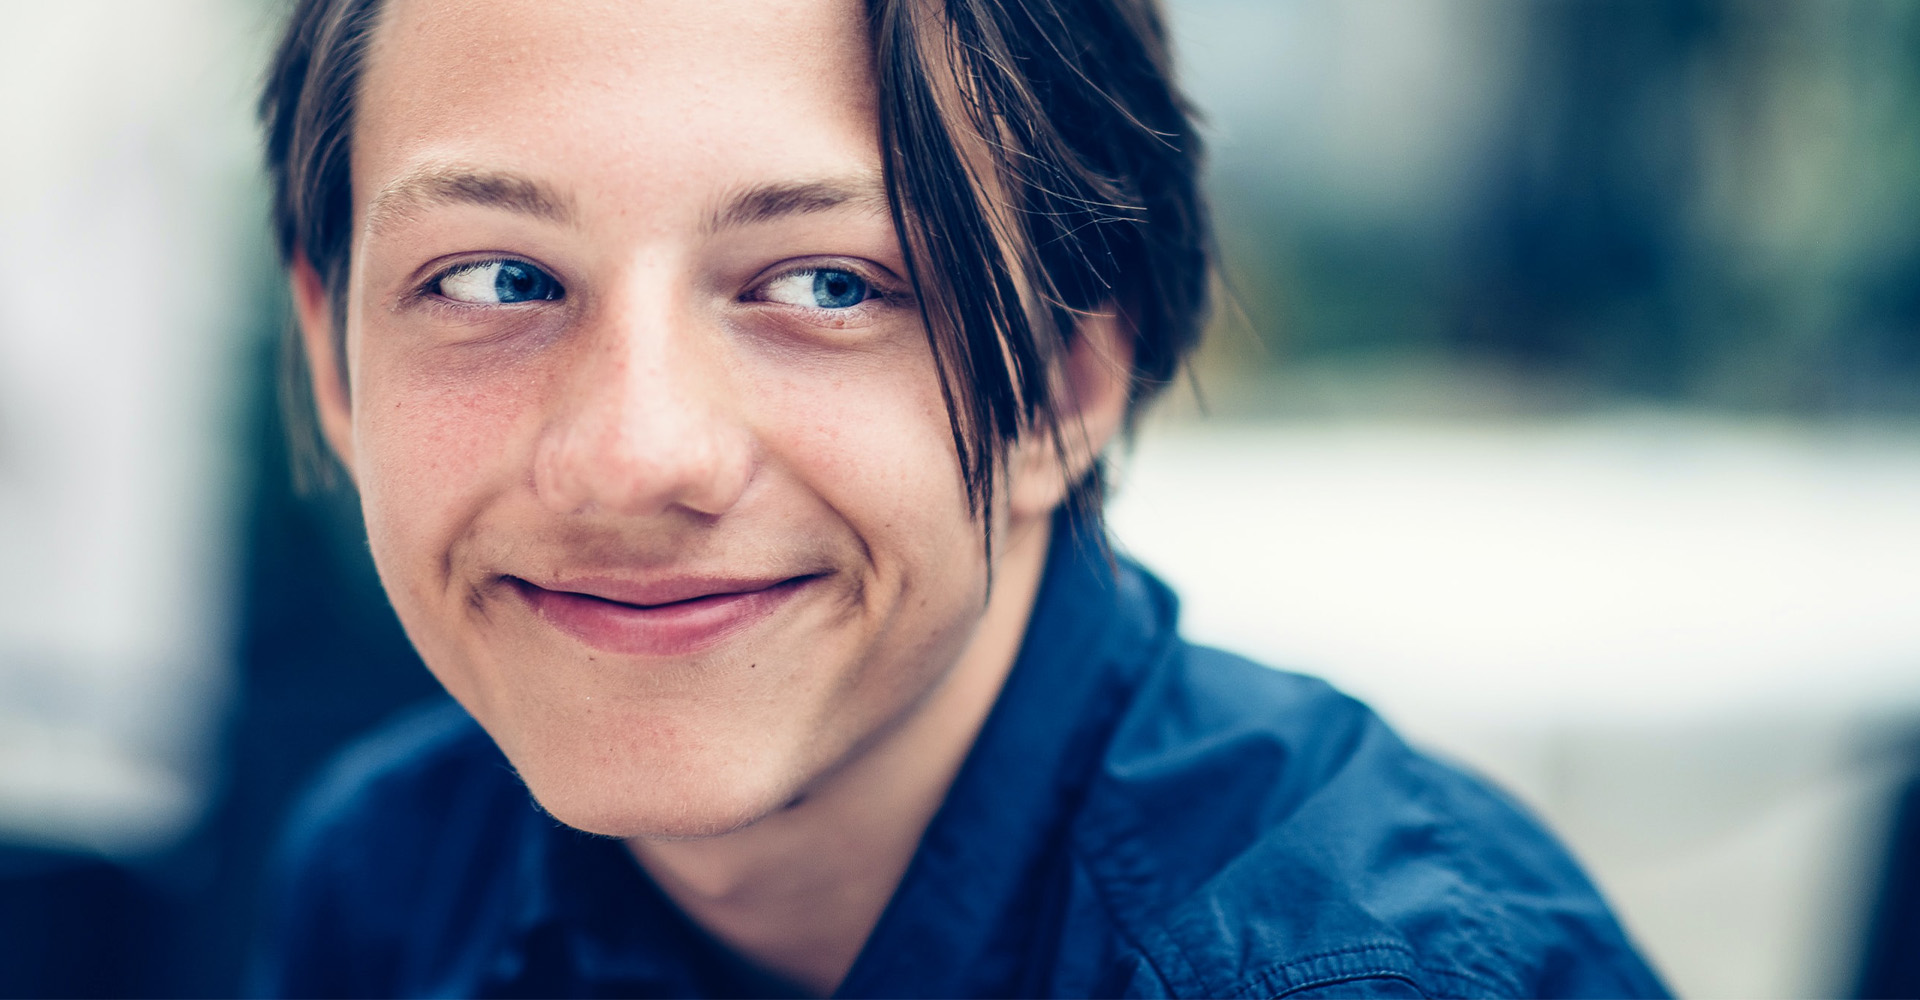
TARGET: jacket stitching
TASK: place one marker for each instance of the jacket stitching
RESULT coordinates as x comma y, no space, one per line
1127,931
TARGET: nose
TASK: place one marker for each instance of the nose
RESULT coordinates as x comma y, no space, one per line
645,423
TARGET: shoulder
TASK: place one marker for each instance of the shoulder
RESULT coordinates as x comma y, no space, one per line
411,753
380,850
1257,832
379,802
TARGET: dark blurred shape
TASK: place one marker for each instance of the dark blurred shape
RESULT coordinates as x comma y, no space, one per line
76,925
1696,202
1582,243
1890,966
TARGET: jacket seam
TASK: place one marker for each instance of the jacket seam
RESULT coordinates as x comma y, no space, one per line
1274,980
1123,926
1334,980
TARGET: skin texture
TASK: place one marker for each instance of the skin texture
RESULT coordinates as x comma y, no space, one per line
681,417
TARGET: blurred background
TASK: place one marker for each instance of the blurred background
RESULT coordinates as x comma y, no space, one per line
1566,407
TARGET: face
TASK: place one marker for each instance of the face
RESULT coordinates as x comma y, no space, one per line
654,460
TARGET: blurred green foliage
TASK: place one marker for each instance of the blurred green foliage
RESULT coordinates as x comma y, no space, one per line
1565,203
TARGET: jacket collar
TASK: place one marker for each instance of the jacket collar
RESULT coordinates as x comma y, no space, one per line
966,913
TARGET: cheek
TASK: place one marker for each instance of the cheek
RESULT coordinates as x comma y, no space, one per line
875,448
874,443
430,450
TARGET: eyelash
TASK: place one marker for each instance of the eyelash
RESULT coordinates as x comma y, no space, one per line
884,292
431,288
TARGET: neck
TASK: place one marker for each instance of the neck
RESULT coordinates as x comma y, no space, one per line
800,891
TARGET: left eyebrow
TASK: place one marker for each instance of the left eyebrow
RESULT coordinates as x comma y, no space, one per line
767,202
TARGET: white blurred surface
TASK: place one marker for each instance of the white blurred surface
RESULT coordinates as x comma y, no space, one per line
127,173
1678,638
1630,569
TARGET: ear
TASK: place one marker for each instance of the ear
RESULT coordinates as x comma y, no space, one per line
313,310
1090,397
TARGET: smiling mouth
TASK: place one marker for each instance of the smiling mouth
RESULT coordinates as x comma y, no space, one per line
670,618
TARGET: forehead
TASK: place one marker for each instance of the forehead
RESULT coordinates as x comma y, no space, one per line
621,103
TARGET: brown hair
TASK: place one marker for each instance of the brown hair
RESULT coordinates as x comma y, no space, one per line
1039,163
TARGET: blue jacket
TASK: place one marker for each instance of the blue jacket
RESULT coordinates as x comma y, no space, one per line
1139,817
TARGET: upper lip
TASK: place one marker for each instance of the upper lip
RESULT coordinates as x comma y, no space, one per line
653,591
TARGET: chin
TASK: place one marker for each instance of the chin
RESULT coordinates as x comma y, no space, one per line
692,820
657,799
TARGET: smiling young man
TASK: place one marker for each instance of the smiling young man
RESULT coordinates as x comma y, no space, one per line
724,384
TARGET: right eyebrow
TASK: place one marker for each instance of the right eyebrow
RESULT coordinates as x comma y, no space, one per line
456,185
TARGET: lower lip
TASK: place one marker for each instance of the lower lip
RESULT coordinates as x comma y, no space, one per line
661,630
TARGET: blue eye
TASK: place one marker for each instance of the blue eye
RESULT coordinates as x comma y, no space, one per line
499,282
838,289
819,288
